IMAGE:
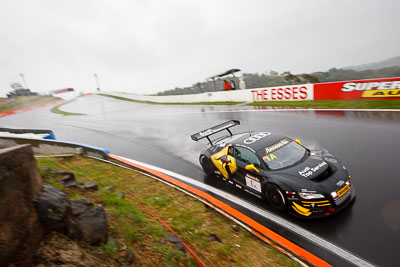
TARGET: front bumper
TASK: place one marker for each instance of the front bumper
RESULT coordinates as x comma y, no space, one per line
321,208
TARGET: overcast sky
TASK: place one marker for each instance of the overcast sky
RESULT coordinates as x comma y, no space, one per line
147,46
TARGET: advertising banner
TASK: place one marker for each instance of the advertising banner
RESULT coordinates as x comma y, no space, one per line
387,88
284,93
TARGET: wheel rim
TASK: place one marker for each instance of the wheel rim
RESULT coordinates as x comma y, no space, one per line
276,198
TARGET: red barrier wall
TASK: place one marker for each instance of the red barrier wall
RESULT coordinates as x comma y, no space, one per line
387,88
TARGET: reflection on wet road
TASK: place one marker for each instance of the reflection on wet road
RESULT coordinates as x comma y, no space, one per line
366,142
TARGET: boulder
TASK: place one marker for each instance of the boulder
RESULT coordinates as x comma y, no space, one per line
20,228
91,186
80,206
93,226
54,209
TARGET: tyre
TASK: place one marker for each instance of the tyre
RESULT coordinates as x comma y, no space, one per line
207,165
275,197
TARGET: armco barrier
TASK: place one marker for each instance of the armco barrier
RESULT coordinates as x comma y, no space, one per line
387,88
40,146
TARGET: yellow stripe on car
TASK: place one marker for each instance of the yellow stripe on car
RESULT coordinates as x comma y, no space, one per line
301,210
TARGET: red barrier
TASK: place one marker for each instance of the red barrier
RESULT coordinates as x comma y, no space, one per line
387,88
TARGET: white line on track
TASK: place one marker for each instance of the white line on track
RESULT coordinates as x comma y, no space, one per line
350,257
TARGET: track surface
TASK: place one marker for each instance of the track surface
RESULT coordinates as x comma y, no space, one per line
366,142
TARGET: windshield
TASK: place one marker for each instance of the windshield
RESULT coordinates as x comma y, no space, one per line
282,154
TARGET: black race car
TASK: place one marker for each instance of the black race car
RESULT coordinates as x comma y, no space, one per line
276,168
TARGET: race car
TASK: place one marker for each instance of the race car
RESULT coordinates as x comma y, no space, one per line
278,169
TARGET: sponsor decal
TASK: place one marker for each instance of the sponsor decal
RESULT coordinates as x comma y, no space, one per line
307,191
340,183
276,146
256,137
298,92
252,177
308,171
385,88
381,93
211,131
253,182
365,86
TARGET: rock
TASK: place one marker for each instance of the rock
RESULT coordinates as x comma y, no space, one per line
181,247
122,195
20,228
67,178
69,184
53,208
80,206
236,228
173,238
93,225
65,173
47,169
91,186
213,237
108,188
79,182
129,257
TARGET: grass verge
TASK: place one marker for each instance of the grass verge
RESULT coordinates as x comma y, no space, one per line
146,237
156,103
27,101
340,104
57,110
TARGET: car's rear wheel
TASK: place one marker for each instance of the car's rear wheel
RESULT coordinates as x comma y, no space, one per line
275,197
207,165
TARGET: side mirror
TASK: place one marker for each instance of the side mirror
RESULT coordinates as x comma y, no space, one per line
252,167
298,141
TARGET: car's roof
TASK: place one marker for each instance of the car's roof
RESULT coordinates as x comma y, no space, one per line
254,140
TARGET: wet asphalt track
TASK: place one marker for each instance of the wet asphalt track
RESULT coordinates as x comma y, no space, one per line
366,142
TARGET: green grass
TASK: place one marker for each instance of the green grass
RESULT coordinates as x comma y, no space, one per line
177,103
27,101
57,110
145,235
340,104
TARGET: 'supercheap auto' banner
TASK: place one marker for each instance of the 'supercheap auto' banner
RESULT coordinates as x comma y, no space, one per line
387,88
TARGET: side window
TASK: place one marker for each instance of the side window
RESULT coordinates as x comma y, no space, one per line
246,156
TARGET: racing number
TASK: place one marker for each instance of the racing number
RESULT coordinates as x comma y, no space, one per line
271,157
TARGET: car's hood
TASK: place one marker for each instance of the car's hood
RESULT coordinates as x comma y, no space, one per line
309,169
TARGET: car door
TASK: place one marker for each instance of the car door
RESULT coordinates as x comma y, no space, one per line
249,179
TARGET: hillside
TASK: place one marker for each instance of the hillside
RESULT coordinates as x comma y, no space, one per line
257,80
394,61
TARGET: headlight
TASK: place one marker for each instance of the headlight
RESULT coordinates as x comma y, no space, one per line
310,195
334,194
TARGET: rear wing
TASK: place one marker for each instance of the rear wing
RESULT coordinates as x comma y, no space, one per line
213,130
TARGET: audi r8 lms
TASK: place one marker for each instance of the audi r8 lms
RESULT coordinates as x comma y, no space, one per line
291,177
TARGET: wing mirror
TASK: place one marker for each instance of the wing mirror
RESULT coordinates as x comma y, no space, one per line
298,141
252,167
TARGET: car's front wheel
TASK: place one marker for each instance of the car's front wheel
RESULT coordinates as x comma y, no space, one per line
275,197
207,165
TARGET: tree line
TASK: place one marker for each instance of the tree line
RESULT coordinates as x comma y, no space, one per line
273,78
